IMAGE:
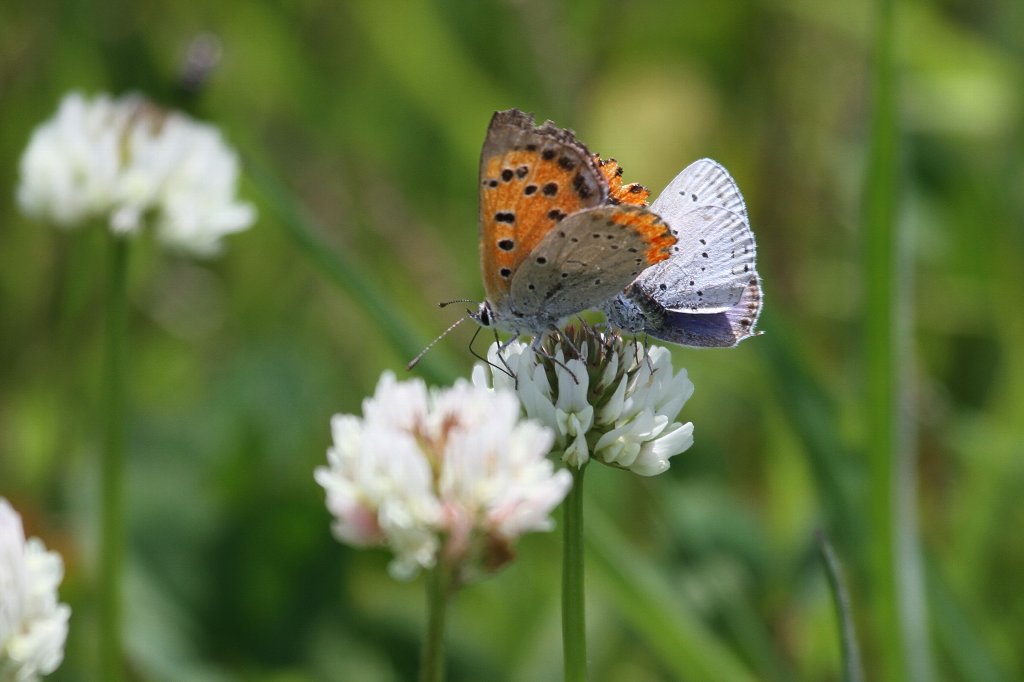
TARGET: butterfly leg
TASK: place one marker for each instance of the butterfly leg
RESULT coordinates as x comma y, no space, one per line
502,346
536,348
637,346
567,340
506,369
647,356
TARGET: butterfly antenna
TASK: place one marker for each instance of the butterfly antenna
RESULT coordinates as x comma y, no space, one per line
415,360
443,304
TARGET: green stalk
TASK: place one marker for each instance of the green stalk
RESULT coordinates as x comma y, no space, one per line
432,656
899,609
574,630
112,464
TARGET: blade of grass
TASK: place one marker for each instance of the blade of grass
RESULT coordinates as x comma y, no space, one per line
681,641
957,632
900,627
853,668
427,62
813,413
348,276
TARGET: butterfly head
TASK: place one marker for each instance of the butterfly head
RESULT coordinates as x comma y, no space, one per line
484,315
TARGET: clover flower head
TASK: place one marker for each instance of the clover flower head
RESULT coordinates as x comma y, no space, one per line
605,398
33,625
129,163
452,474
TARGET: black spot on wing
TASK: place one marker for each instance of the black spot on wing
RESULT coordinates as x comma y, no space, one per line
579,185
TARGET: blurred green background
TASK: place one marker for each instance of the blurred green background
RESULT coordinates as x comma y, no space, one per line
367,118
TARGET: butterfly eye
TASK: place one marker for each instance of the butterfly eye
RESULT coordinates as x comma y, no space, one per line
483,315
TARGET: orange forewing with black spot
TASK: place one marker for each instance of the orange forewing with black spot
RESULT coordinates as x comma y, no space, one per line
589,258
531,177
656,235
633,194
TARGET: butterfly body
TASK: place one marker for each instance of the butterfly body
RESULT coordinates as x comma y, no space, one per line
554,241
708,293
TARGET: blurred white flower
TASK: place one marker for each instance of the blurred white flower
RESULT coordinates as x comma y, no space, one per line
616,401
33,625
452,473
129,163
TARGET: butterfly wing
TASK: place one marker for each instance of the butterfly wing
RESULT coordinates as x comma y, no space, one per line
711,330
710,264
531,177
703,183
589,257
714,259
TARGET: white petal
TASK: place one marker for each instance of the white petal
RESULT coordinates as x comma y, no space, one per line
612,411
33,624
120,160
445,465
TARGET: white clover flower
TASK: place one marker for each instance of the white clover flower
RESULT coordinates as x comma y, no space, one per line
614,401
127,162
33,625
452,473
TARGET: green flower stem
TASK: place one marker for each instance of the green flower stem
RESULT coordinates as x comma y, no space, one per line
574,631
438,591
112,465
